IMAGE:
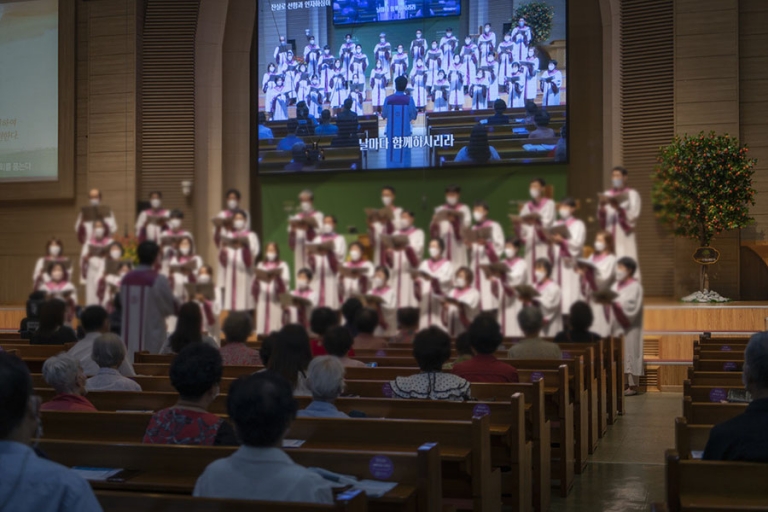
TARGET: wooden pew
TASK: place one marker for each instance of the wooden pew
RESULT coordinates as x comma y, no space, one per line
716,378
116,501
690,438
704,393
717,365
613,359
710,355
10,336
25,350
695,485
701,413
174,469
594,373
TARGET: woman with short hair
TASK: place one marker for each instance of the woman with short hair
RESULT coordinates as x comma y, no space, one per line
64,374
109,352
325,379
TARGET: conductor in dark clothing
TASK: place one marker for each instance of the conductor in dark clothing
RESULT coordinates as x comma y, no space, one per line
745,437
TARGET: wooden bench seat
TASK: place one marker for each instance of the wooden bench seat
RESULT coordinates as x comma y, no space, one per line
724,364
690,438
702,413
716,378
703,393
25,350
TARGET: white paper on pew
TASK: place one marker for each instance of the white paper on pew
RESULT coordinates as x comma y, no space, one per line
697,454
538,147
374,488
95,474
292,443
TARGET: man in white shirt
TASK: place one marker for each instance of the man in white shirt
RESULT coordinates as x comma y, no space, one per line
95,321
262,408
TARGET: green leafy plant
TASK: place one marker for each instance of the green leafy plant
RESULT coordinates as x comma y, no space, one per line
130,247
538,16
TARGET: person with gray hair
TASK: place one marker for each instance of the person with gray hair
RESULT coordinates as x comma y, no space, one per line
109,352
532,346
325,379
64,374
745,437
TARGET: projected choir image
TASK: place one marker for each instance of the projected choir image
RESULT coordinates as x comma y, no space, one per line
392,84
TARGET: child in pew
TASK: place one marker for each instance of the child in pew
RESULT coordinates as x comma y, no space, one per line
431,348
195,373
325,379
338,342
407,325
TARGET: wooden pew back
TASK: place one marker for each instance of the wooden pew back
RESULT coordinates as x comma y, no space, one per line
690,438
700,413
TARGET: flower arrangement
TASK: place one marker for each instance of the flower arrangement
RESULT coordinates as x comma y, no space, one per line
130,247
538,16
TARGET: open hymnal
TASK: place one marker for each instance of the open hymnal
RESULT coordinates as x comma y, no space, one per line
268,275
529,218
352,272
90,213
303,223
479,235
416,274
237,242
495,269
97,251
604,296
168,239
314,248
288,299
616,198
225,222
113,266
447,215
96,474
195,289
382,215
526,292
560,229
185,268
395,241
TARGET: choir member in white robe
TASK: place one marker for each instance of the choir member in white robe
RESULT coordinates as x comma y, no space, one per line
378,227
232,198
532,84
147,301
565,252
597,277
170,240
628,320
54,249
549,299
551,80
457,317
533,233
185,256
267,292
298,236
620,218
152,221
359,285
402,261
387,309
93,260
521,39
450,231
325,264
510,303
301,313
104,292
210,308
60,288
239,248
483,252
431,291
111,283
84,229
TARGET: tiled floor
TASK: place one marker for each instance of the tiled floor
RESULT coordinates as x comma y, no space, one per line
626,473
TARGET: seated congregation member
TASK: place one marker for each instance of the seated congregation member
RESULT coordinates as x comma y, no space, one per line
262,408
237,327
532,346
95,321
349,311
52,330
464,351
29,482
325,127
287,142
542,131
300,159
338,342
59,287
265,133
628,320
64,375
432,349
109,353
479,150
195,374
359,283
580,320
745,437
549,298
464,304
510,302
368,323
407,325
485,337
189,330
386,309
320,321
267,347
271,281
325,379
430,291
498,117
291,356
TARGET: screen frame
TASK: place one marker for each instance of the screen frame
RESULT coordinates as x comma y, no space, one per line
63,187
351,24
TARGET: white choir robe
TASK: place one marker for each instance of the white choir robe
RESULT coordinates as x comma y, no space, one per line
430,298
564,258
211,309
218,232
84,229
387,312
40,276
628,322
325,269
301,314
297,240
621,224
455,250
351,287
457,319
533,236
91,270
266,295
377,229
483,255
147,301
169,250
401,263
152,232
178,279
509,304
108,288
58,290
236,271
601,278
549,300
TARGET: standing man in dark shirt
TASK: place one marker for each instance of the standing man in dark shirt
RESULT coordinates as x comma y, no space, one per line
745,437
348,124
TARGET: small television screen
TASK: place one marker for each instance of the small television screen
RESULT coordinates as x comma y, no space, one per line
339,92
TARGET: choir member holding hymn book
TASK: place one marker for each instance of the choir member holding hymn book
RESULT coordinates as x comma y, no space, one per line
382,298
618,211
53,254
60,288
208,297
486,242
170,240
549,299
404,250
597,274
449,222
271,281
356,274
239,248
513,272
223,221
93,259
89,214
298,305
628,320
184,266
110,283
325,255
152,221
111,266
567,237
384,221
462,304
433,280
302,228
536,216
